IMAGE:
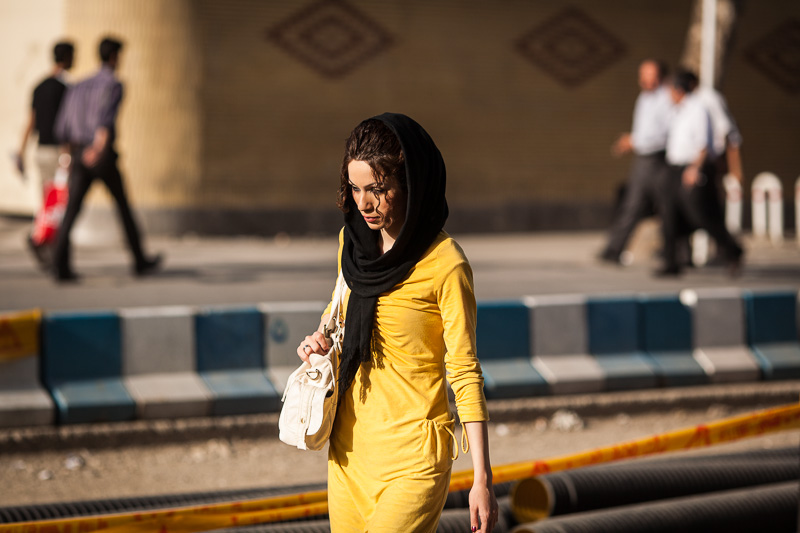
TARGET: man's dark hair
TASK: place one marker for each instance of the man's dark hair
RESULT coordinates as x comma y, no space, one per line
63,52
684,80
109,48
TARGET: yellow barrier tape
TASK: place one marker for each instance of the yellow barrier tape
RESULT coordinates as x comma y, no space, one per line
19,334
207,517
186,519
726,430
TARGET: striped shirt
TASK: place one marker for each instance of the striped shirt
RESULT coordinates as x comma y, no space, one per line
91,104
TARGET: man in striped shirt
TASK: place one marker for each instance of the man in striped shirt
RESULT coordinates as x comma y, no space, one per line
87,123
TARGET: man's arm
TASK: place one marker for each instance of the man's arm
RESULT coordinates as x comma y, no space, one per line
25,136
93,152
733,155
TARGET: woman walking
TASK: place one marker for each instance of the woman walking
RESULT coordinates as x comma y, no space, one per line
410,322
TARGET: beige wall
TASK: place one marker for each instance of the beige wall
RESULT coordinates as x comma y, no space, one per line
222,130
28,31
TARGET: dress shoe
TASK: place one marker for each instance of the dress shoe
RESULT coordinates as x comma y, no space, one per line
734,265
149,265
66,276
607,256
39,251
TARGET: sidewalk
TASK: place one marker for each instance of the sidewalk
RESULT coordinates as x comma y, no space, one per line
213,271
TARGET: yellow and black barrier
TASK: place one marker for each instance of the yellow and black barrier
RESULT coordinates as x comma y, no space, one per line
208,517
19,334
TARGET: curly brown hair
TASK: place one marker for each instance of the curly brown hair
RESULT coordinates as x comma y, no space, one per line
374,143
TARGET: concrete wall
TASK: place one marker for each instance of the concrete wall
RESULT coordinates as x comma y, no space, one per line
236,112
27,38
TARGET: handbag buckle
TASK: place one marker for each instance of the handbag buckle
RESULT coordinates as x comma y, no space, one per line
314,373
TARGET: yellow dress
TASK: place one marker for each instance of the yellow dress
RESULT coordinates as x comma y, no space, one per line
392,445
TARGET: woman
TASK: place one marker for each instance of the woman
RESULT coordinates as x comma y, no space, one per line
410,319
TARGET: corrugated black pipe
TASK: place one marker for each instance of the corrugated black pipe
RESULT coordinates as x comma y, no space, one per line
452,521
771,508
611,485
460,498
25,513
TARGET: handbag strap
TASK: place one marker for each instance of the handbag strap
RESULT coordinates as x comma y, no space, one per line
337,305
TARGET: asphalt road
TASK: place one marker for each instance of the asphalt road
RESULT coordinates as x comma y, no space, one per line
246,270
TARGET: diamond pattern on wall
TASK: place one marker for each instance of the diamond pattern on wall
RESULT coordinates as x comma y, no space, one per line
330,36
777,55
570,46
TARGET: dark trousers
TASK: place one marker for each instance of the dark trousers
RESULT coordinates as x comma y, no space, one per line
80,179
696,207
642,195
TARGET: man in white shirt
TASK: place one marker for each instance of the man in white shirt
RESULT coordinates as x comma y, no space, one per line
690,156
647,140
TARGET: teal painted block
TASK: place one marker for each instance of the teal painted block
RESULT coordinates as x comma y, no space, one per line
240,392
513,378
630,370
82,366
99,400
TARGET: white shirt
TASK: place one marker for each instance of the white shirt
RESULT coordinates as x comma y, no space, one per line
725,129
651,116
690,132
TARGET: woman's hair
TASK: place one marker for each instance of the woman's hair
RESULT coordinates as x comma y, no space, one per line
374,143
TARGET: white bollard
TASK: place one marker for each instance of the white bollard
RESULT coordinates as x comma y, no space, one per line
767,194
700,243
733,204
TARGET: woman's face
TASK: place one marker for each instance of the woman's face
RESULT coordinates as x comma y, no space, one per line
383,205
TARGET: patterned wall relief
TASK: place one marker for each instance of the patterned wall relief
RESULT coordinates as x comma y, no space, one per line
330,36
777,55
570,47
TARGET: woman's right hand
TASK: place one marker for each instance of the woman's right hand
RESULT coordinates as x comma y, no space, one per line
314,343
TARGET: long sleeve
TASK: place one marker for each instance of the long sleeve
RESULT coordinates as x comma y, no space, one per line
456,298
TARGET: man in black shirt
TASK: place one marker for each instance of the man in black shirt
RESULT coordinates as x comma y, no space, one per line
47,97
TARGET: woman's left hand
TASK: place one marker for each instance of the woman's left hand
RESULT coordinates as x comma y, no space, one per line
483,508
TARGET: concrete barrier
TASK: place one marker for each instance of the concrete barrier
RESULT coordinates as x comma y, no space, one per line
719,341
168,362
285,325
23,401
82,367
666,333
772,332
614,341
503,345
158,352
230,359
559,344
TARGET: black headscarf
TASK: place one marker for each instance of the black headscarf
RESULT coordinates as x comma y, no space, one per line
370,273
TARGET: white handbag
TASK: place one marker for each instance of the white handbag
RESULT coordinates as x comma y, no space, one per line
311,394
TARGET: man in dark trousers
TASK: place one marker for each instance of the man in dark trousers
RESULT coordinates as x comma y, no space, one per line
690,156
46,101
87,122
647,140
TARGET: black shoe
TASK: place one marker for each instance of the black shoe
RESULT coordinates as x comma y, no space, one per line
672,271
39,251
734,264
66,276
149,265
607,256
